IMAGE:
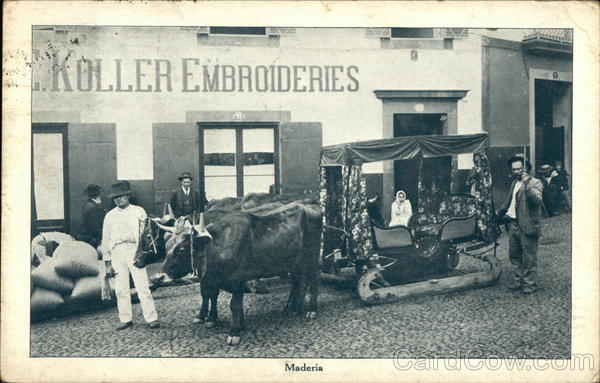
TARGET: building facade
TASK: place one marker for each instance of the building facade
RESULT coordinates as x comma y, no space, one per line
248,109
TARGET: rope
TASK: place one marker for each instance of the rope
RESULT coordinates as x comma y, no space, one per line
152,240
336,228
194,270
394,260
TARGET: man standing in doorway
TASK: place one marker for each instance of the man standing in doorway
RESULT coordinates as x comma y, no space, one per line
522,212
563,182
184,199
120,238
93,216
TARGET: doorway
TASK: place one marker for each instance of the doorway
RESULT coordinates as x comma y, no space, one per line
552,121
406,124
406,172
49,178
237,159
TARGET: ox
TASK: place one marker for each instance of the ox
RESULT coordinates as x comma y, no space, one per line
152,243
180,244
228,203
254,200
155,247
242,246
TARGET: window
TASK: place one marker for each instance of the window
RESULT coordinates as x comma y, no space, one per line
237,159
254,31
417,38
49,178
240,36
412,33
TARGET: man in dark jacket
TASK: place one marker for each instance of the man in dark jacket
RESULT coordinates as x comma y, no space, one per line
184,199
563,182
552,194
522,212
93,216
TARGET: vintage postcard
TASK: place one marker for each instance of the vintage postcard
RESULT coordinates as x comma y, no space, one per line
300,191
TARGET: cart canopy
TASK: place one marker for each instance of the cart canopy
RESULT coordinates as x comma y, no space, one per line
401,148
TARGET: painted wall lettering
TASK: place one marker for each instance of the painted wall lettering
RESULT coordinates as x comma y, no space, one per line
93,74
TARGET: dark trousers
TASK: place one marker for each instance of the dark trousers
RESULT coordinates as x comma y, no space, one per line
522,253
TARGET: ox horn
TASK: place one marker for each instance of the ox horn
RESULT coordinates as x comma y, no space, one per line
201,228
166,228
167,216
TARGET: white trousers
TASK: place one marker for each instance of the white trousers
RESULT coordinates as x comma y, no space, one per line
122,260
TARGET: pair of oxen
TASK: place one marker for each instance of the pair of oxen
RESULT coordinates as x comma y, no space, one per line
238,240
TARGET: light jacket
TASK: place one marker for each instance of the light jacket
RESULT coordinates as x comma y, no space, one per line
528,205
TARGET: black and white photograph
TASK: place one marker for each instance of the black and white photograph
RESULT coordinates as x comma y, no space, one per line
306,196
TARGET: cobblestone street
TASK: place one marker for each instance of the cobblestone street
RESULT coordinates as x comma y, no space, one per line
489,321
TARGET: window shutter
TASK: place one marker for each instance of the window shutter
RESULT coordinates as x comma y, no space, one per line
379,32
91,146
279,31
175,150
300,152
456,33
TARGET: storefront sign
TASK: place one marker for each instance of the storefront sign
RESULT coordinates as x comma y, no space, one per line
188,75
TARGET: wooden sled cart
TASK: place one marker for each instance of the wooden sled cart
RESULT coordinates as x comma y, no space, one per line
393,263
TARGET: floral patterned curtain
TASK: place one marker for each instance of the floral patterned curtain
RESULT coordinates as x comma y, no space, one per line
433,186
356,218
480,179
437,206
330,196
343,199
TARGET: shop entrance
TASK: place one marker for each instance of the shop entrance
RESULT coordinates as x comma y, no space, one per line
406,172
49,178
237,159
552,121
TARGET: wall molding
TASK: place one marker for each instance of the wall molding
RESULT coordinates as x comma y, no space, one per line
241,116
401,94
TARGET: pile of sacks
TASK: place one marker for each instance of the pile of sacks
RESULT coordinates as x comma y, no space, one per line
73,275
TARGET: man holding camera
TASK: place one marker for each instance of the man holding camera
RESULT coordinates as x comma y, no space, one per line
522,212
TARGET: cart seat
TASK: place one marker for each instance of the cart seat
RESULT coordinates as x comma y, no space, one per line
450,230
458,228
453,206
430,230
390,238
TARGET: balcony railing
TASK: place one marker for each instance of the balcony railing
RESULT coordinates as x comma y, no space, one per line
564,36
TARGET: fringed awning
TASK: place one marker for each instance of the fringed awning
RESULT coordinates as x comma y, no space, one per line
401,148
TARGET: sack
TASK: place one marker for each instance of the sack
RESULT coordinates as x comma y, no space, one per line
76,260
87,289
44,300
46,276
